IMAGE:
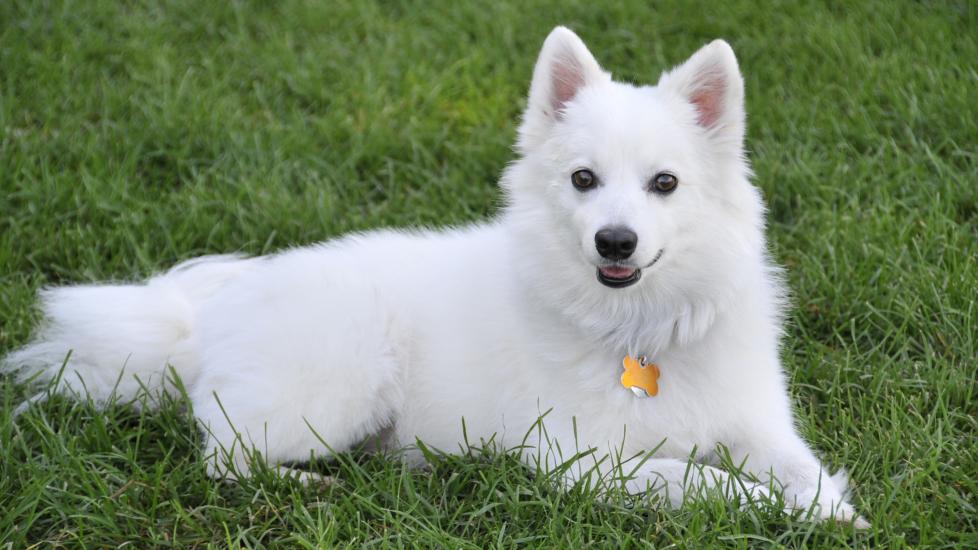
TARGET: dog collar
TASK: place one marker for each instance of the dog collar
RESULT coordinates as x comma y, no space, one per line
640,376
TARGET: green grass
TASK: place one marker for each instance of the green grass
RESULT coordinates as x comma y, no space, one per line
136,134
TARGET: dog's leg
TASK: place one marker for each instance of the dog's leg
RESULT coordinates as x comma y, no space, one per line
671,480
676,481
231,466
785,462
303,364
286,417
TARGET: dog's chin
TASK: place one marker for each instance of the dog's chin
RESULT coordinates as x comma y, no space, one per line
615,276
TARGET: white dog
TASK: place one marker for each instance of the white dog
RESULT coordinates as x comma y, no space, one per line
624,294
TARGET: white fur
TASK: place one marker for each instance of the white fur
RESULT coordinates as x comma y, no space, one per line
406,334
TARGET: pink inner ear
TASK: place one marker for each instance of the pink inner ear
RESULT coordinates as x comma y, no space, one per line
567,77
708,98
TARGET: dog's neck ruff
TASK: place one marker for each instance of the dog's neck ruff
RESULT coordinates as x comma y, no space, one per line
640,376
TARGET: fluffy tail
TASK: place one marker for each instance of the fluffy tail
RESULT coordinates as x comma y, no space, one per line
105,341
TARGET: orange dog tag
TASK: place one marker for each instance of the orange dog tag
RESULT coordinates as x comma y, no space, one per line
640,376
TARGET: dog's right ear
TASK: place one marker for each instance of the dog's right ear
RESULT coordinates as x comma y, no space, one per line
564,67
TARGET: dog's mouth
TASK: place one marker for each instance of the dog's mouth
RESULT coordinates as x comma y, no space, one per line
618,276
621,276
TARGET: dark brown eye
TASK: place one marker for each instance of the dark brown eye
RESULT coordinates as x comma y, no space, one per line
584,180
664,182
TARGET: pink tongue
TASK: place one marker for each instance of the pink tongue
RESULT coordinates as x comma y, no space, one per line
617,272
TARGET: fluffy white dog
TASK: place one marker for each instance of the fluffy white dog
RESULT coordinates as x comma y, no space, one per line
624,294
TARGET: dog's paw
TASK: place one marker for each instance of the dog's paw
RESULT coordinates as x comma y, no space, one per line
829,509
847,515
305,477
860,523
824,500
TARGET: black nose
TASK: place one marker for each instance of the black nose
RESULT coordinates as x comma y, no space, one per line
615,243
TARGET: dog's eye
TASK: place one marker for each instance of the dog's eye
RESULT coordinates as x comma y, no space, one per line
584,180
664,182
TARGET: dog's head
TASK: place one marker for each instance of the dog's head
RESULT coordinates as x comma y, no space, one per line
632,191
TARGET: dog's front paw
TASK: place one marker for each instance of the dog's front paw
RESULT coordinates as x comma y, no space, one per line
841,513
826,503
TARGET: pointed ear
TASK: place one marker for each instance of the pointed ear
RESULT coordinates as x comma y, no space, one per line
564,67
710,81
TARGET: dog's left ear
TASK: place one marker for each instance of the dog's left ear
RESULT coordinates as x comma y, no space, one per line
710,81
564,67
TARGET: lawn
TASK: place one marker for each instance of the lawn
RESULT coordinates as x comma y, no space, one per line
136,134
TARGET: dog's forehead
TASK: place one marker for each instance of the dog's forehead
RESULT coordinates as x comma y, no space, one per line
620,123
